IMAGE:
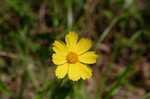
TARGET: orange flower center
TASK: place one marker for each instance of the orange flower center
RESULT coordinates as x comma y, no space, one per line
72,57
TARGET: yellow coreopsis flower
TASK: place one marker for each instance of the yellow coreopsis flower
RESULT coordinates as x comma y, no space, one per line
72,57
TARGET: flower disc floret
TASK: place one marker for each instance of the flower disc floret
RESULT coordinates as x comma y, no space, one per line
72,58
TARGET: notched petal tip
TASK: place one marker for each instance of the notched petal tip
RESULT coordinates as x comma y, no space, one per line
89,57
61,71
71,39
58,43
87,73
79,71
59,47
83,45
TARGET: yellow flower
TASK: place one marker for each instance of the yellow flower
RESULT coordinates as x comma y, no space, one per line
72,57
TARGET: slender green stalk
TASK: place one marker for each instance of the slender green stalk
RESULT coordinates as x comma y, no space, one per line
44,90
114,54
32,76
146,96
23,85
109,28
136,35
106,75
119,81
69,4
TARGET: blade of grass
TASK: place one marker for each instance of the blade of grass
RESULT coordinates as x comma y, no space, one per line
109,28
114,54
136,35
23,85
106,75
146,96
69,4
44,90
119,82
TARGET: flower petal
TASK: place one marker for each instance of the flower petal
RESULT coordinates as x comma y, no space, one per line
71,40
88,57
59,47
83,45
86,72
78,70
58,59
61,70
74,72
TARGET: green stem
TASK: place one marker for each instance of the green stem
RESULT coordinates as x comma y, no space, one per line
69,13
147,96
114,54
22,85
106,75
109,28
119,82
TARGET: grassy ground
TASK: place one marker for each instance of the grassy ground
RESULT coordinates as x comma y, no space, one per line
120,33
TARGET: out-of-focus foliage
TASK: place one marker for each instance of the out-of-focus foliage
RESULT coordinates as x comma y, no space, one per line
120,33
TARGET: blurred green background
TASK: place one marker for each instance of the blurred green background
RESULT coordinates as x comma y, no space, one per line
120,30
